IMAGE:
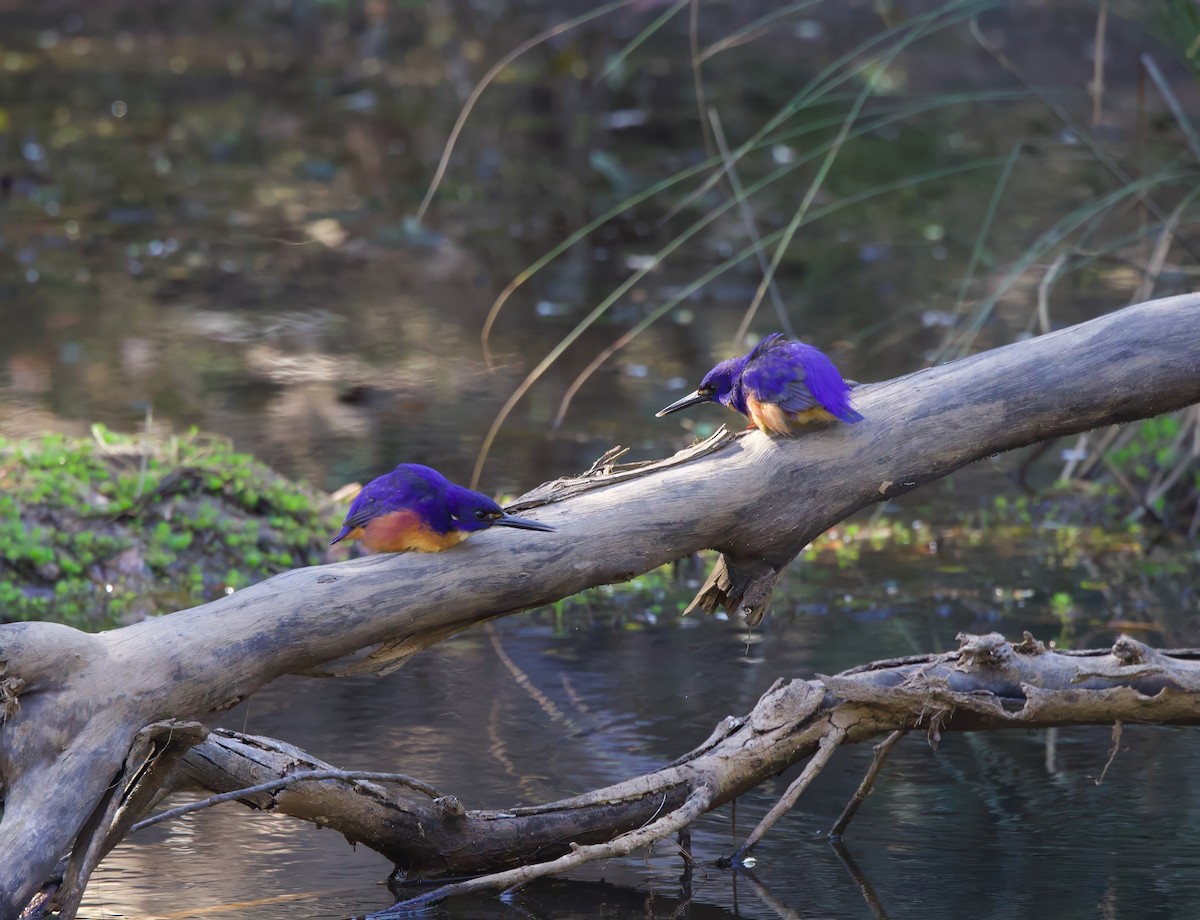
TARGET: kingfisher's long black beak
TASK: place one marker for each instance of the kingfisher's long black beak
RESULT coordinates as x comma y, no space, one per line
692,399
511,520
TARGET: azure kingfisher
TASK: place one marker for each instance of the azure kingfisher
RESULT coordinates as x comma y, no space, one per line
417,508
780,385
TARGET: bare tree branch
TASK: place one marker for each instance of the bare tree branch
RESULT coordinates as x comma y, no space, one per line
987,684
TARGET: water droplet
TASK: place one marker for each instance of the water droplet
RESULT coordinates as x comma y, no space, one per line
119,109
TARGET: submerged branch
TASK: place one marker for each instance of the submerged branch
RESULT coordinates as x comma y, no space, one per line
987,684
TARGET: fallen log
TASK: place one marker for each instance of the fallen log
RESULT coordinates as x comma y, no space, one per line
74,704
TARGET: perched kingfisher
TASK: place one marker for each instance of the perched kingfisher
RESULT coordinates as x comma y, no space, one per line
417,508
780,385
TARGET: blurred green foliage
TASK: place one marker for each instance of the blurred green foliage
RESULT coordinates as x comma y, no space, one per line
95,532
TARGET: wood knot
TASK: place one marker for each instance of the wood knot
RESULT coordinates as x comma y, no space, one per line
989,651
1130,651
327,579
10,689
449,806
1029,645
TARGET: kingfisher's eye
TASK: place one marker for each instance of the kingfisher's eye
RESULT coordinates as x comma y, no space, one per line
706,391
481,515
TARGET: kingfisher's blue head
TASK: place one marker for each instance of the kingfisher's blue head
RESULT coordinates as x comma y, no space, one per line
470,511
417,508
722,385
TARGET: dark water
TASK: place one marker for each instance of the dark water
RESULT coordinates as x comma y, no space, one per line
205,220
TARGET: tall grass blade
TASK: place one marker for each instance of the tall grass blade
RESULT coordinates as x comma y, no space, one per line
1085,136
898,114
986,226
825,81
737,258
739,194
813,188
1164,89
619,58
753,30
486,80
957,345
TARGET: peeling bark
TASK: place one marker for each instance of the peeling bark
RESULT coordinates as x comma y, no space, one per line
73,705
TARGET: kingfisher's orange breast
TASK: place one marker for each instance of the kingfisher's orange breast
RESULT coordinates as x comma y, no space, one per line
402,531
770,418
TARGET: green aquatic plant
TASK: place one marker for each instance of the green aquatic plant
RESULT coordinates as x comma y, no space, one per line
96,530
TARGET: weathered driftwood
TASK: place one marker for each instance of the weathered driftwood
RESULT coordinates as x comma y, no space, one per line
74,704
987,684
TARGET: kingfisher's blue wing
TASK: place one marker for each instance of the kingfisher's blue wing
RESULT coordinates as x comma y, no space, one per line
778,376
394,491
797,377
368,505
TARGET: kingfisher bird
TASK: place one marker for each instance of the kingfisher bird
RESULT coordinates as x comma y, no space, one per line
780,385
415,507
